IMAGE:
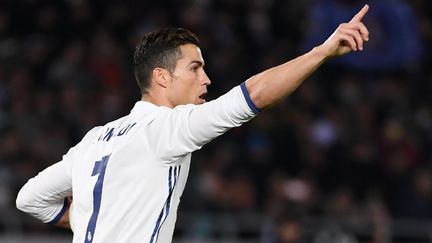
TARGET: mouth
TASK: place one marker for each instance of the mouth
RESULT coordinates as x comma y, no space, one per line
202,97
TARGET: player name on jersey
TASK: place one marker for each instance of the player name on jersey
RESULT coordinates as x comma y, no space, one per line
111,132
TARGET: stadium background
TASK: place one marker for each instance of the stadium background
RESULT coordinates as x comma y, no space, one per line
347,158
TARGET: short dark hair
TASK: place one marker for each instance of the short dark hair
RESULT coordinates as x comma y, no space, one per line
160,48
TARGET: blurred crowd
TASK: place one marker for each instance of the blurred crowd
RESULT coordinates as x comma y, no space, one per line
353,142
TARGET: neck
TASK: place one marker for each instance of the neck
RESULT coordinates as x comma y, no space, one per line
156,99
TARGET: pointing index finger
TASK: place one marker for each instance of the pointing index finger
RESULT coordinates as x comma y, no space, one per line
359,16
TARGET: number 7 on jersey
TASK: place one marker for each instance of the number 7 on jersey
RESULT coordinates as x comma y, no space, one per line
99,169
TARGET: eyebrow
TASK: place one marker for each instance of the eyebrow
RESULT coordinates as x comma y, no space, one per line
200,63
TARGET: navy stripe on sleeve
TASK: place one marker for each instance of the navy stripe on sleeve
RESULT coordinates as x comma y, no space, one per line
248,99
62,212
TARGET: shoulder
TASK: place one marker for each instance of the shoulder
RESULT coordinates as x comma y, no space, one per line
180,112
164,112
92,135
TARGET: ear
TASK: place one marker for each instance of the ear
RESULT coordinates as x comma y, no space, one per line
161,76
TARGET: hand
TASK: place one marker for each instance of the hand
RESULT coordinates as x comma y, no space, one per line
347,37
64,221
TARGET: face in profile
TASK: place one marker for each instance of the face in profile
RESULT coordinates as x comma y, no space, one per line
188,84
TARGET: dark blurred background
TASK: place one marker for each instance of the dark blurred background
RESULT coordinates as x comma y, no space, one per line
346,158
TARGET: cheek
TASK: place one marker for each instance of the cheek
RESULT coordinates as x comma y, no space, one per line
187,86
184,89
189,83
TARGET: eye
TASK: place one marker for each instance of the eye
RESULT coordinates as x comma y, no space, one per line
195,68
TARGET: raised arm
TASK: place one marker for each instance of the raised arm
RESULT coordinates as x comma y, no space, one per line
274,84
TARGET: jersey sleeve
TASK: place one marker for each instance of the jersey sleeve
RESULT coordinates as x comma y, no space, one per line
45,195
187,128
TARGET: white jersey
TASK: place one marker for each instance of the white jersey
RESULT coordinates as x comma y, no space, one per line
127,177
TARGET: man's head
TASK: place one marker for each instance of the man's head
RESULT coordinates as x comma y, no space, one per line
169,67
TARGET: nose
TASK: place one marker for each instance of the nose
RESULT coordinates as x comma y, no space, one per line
206,80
